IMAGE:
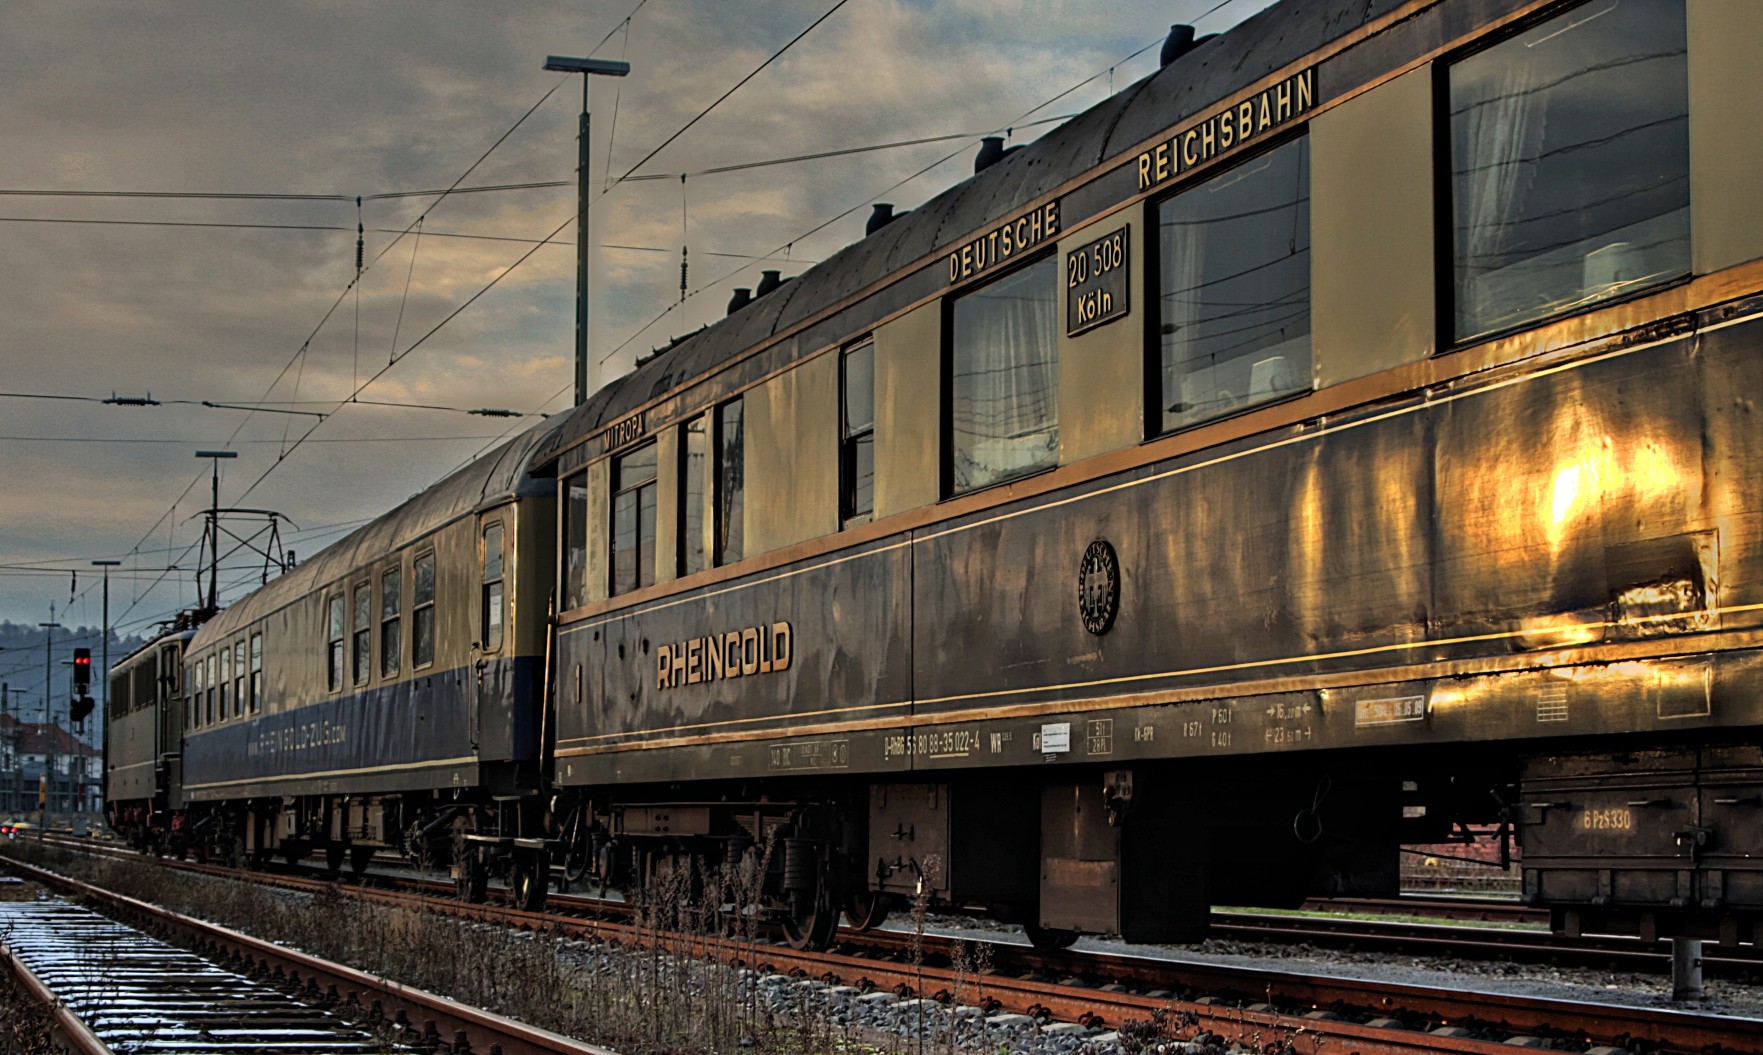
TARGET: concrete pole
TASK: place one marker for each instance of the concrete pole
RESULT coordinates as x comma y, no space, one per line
49,629
583,372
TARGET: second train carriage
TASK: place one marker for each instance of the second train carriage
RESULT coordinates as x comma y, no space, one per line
386,694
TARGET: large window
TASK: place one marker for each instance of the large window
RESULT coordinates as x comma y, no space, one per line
857,433
633,519
422,611
694,478
256,673
575,541
193,714
239,677
391,621
491,614
731,483
334,632
210,678
1234,288
1004,379
1570,164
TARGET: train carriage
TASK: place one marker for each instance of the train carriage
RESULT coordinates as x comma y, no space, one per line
1339,438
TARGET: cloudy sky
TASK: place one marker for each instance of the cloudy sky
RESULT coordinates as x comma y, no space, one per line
249,300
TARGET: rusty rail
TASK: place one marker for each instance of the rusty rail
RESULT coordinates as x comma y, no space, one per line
66,1028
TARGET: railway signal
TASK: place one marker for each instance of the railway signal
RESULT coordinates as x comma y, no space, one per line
82,671
82,685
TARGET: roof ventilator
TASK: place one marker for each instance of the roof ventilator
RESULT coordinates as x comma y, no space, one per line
743,297
768,281
992,151
1180,41
881,215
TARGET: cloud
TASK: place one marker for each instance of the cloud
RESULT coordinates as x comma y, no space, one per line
327,97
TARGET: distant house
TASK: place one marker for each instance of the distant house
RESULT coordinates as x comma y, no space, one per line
25,749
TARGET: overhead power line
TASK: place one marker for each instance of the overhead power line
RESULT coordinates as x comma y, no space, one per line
737,87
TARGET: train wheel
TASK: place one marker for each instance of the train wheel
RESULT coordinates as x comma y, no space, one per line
333,856
359,858
865,909
1048,939
530,880
815,930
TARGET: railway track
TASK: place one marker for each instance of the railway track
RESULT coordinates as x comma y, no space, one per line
1405,937
1101,992
115,988
132,991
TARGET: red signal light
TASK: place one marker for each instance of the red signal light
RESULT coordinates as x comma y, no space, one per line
82,670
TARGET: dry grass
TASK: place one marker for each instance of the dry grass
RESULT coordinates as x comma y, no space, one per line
24,1023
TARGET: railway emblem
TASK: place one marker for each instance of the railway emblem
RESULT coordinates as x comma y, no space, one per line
1098,587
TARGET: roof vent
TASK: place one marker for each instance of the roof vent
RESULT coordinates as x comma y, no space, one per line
880,217
743,297
768,281
1179,42
991,151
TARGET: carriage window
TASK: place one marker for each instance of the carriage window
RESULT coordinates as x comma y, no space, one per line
1004,379
256,673
575,541
193,711
210,679
1570,164
334,633
239,677
226,680
492,606
731,483
391,607
1235,288
694,473
361,642
633,519
857,439
422,611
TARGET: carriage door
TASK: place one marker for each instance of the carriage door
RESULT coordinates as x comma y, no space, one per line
492,672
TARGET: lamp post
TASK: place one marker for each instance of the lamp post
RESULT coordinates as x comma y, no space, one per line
213,528
587,68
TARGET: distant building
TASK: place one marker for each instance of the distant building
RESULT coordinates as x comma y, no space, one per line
25,748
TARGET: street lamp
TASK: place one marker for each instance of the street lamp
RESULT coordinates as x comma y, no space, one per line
587,68
213,528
